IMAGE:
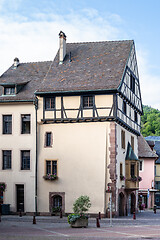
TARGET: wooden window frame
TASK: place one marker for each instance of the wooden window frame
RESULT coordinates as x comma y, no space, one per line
123,145
132,83
88,101
48,104
121,169
124,107
51,172
135,117
23,125
9,91
28,166
132,142
134,170
46,140
7,166
7,124
141,165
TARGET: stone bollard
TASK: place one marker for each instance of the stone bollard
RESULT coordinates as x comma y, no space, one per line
61,215
134,215
34,219
154,209
97,223
20,213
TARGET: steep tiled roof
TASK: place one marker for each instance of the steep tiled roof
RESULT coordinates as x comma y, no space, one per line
31,74
144,150
93,66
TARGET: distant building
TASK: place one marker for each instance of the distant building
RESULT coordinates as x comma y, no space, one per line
147,159
156,147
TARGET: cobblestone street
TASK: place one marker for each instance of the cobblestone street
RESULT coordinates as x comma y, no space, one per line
146,226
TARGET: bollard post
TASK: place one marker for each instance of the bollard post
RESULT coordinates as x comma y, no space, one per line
61,215
154,209
97,223
134,215
20,213
99,215
34,219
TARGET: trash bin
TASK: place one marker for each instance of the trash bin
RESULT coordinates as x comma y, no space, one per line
5,209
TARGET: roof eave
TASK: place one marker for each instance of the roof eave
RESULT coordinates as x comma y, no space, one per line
77,91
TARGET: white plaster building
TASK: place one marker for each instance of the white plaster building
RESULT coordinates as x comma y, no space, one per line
86,126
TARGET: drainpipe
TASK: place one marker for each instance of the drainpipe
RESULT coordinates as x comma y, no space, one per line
36,163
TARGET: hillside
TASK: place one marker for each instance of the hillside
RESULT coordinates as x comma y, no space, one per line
150,122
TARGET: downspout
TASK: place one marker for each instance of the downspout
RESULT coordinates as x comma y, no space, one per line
36,163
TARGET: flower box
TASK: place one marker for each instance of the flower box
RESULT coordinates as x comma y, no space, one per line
50,177
122,177
2,187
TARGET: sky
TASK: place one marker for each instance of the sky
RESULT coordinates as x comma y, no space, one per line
29,30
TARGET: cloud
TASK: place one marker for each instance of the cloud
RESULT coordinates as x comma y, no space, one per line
149,82
36,39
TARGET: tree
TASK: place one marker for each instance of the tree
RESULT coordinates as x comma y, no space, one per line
150,122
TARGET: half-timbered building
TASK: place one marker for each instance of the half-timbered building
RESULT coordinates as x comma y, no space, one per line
89,108
75,124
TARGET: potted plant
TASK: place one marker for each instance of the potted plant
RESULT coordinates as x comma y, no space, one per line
122,177
134,179
139,179
55,211
2,187
80,207
50,176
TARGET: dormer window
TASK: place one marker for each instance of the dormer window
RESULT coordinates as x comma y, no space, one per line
9,90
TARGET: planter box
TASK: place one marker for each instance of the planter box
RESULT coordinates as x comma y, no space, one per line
79,223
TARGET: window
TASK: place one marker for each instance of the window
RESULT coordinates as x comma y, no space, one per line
9,90
124,107
135,116
49,103
132,170
132,83
6,159
132,142
157,185
25,160
48,139
87,101
7,124
57,201
25,118
121,169
140,165
51,167
123,139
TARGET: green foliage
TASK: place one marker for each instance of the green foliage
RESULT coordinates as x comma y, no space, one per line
150,122
81,205
73,217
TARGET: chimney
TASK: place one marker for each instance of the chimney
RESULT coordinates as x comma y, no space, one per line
16,62
62,46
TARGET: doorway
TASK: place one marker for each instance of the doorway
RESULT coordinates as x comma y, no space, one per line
20,197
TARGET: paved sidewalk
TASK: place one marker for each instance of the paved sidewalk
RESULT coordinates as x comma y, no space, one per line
146,226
